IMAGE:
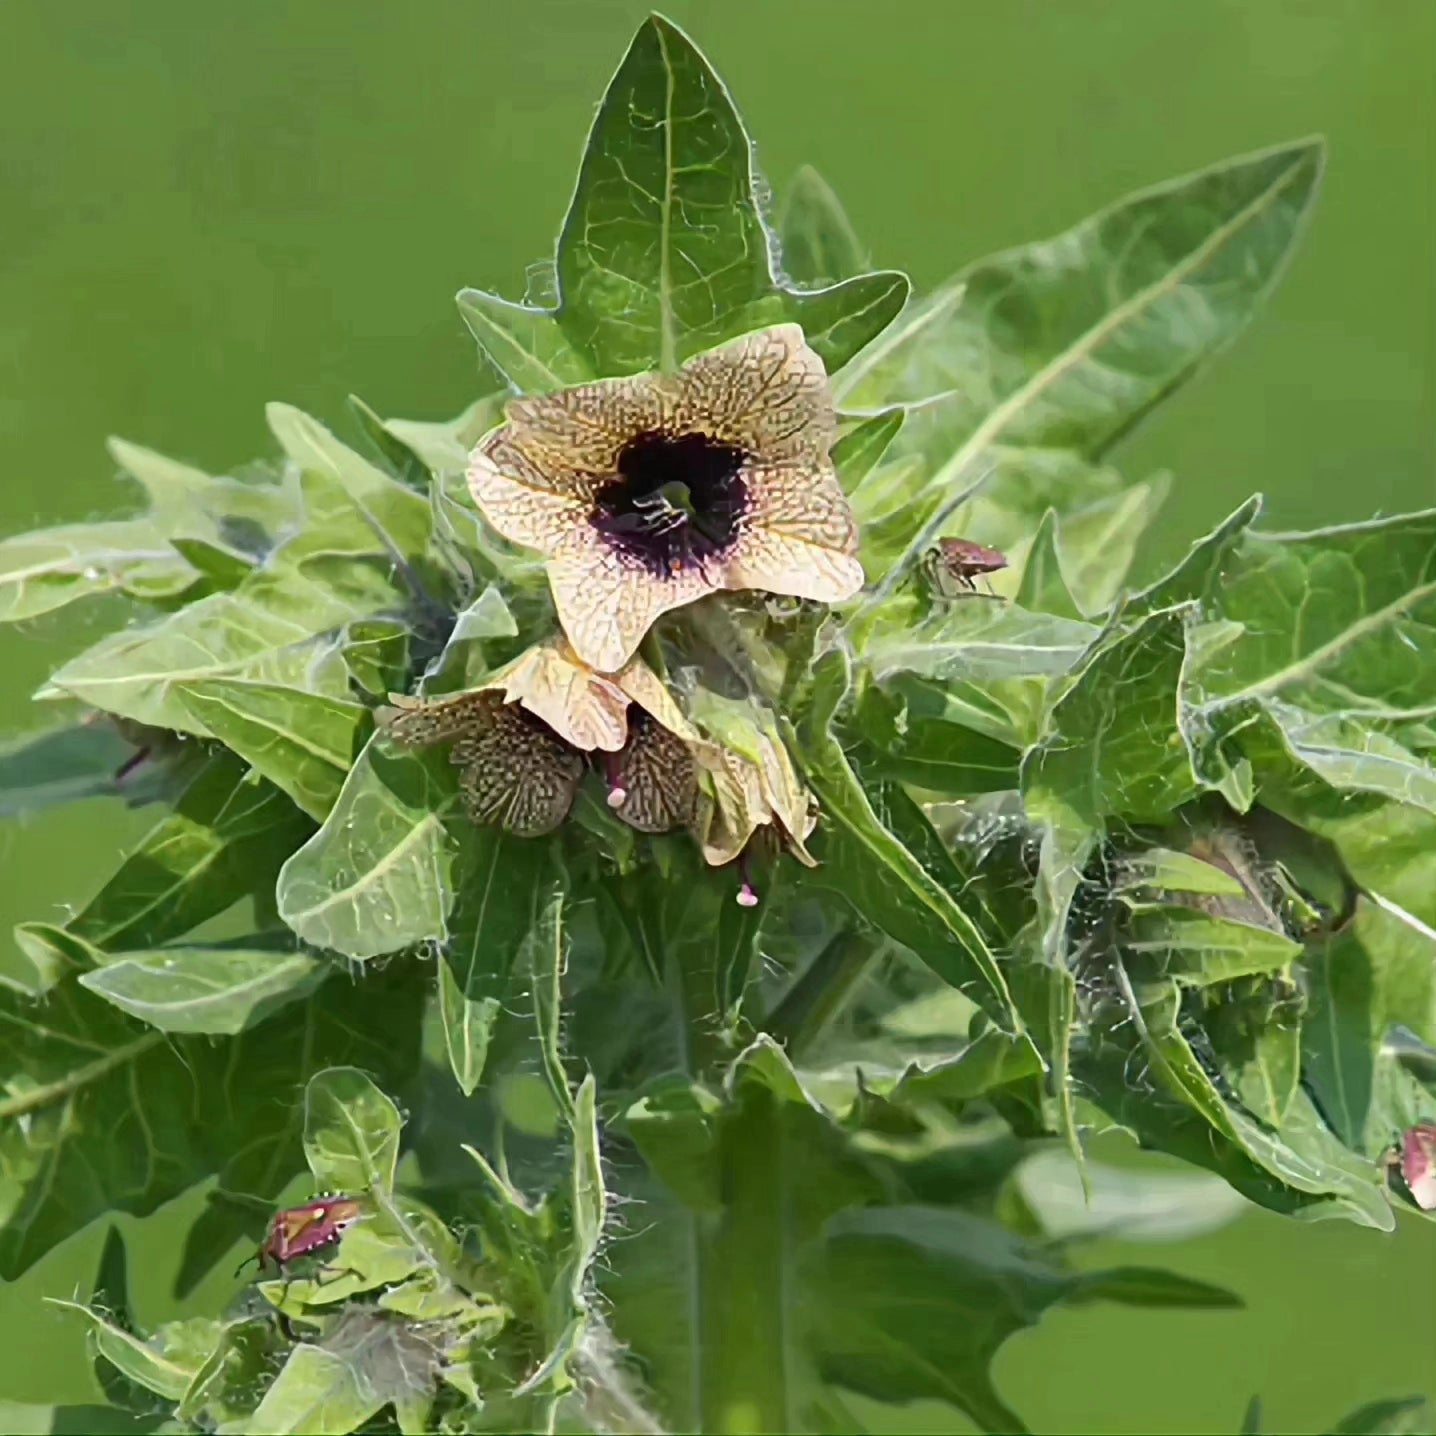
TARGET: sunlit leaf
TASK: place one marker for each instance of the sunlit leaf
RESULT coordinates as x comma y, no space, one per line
1043,588
351,1132
1067,343
664,252
1112,746
401,519
303,742
375,877
1336,689
49,568
981,641
133,1358
219,990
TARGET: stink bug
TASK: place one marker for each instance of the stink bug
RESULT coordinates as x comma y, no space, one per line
298,1231
1417,1160
955,564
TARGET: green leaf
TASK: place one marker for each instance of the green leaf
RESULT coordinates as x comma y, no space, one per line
1331,654
319,1393
931,752
1147,1203
375,877
109,1108
818,244
226,835
223,1390
1372,976
498,879
351,1132
1112,747
1197,576
1043,588
1314,1173
61,765
131,1357
468,1025
865,863
912,1303
525,345
1401,1416
220,990
1067,343
1099,542
1199,949
543,955
708,1297
399,517
225,636
333,571
49,568
304,743
237,518
981,642
859,448
664,252
443,448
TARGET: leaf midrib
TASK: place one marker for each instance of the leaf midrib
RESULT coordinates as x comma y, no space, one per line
1087,344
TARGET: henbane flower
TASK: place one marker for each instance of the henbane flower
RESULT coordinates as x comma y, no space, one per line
514,770
519,740
647,493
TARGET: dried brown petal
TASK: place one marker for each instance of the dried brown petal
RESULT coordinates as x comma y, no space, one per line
654,780
424,723
516,772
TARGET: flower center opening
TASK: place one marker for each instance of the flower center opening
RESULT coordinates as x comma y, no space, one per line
677,500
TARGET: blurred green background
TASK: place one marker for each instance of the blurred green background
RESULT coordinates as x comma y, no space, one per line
203,207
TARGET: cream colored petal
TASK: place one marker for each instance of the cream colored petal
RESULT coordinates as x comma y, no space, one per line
790,801
645,688
584,707
583,429
607,602
527,504
767,392
799,536
731,805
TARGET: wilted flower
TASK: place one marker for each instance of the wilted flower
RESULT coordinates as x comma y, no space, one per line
743,796
653,782
514,770
647,493
519,740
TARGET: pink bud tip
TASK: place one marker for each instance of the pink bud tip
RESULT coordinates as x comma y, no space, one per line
747,897
617,796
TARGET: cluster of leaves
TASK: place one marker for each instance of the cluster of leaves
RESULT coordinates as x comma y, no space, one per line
1089,859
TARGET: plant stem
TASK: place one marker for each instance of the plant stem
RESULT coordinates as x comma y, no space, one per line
822,991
